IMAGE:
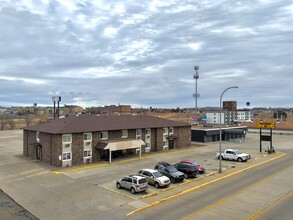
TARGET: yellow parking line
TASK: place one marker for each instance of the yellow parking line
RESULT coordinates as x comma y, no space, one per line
170,187
120,193
185,182
204,184
149,195
197,178
210,174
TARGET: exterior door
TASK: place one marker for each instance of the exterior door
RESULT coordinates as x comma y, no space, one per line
38,153
171,144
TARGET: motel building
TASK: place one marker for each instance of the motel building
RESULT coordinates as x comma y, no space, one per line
87,139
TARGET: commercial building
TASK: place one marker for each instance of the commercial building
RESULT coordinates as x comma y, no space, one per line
92,138
232,134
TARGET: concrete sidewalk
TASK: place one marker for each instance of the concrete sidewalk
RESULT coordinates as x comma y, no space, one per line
82,194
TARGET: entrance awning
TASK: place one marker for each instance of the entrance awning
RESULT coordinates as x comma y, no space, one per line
120,145
172,137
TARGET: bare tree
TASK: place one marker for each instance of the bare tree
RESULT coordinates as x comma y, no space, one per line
11,123
28,119
3,120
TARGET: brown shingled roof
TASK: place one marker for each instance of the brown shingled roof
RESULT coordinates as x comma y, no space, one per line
91,123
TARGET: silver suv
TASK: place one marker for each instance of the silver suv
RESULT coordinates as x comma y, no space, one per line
154,177
133,182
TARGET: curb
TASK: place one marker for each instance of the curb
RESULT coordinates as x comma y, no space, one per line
202,185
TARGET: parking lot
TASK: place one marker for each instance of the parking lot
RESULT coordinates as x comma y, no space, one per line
90,191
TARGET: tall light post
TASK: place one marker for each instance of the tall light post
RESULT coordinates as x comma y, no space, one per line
56,99
196,95
220,147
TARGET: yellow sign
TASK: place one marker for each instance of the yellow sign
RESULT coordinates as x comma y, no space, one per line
265,125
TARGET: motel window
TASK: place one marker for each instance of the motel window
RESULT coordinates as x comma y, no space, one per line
148,131
66,156
165,130
104,135
165,143
171,130
66,138
138,133
87,136
124,133
87,153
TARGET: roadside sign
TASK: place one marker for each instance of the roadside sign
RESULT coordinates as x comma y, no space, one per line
265,125
204,118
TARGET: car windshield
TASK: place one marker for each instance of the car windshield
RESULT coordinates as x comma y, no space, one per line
172,169
195,164
157,174
237,152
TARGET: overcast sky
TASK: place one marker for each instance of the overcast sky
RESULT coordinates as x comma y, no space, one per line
143,53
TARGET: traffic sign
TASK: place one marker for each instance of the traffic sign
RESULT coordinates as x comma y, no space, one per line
269,125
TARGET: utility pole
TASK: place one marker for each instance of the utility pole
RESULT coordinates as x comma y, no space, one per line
196,95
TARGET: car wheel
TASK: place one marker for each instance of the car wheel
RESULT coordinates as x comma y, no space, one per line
157,185
132,190
173,180
185,176
239,159
118,186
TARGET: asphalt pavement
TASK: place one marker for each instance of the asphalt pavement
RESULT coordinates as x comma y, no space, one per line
89,192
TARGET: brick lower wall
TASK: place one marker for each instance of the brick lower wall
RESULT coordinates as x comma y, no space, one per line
52,144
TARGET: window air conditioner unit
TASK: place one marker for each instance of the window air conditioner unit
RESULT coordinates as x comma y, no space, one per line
87,143
67,145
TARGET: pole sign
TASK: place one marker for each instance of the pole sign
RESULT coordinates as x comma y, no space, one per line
204,118
269,125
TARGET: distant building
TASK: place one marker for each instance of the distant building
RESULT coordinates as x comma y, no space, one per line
244,116
227,117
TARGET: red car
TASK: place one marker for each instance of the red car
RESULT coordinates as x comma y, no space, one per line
201,168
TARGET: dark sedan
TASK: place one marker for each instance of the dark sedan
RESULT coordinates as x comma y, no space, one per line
189,170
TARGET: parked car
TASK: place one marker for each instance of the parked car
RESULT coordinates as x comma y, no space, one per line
134,183
207,125
200,168
155,178
170,171
232,154
189,170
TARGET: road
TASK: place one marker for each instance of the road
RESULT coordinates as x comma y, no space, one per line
89,192
206,203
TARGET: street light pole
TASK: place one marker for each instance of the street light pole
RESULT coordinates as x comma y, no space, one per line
196,76
220,147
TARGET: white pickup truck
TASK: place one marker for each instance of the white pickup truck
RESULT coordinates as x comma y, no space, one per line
232,154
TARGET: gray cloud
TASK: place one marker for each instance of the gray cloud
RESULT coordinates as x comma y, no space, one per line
143,53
